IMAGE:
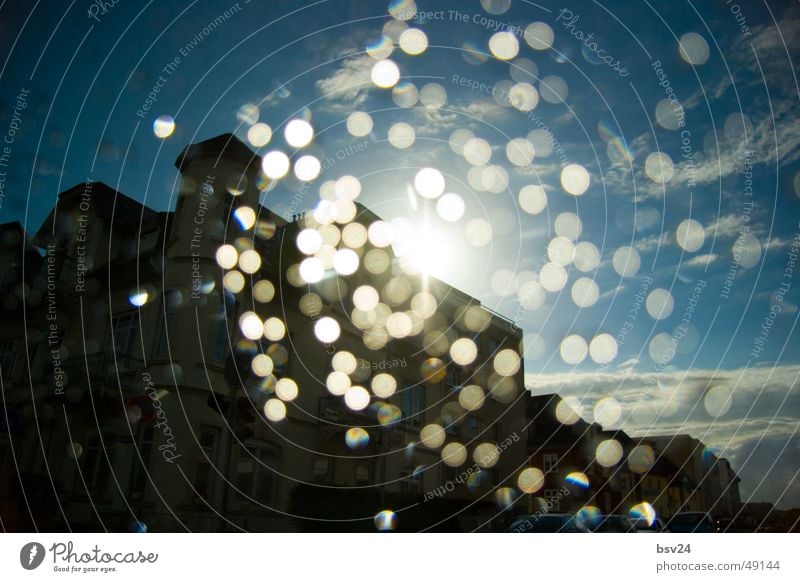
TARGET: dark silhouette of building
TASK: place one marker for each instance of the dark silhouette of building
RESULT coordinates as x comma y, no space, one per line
585,465
133,398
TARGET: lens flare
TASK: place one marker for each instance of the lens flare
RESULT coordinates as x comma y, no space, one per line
138,297
359,124
659,304
454,454
433,370
577,479
298,133
429,182
504,45
385,74
286,389
644,511
307,168
259,135
609,453
693,48
386,520
356,438
690,235
389,414
539,36
530,480
575,179
641,458
356,398
589,516
504,498
432,436
163,126
274,329
413,41
274,410
275,164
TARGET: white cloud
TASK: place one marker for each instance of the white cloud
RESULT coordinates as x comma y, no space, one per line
475,114
701,260
629,363
351,82
653,241
726,226
776,243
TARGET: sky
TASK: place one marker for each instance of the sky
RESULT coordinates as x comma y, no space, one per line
678,297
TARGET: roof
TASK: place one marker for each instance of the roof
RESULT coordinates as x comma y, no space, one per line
105,201
222,146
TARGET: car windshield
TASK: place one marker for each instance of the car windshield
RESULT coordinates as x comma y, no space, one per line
544,523
687,519
614,523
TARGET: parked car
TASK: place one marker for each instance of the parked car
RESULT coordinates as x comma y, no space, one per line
546,523
614,524
692,522
641,525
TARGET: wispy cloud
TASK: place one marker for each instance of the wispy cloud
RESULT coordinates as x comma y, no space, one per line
701,260
726,226
350,84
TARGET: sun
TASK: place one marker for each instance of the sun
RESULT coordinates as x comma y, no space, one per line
427,251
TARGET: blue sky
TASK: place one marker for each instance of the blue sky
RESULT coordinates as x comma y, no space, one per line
309,60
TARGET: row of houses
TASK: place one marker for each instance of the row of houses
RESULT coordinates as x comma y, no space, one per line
617,473
133,399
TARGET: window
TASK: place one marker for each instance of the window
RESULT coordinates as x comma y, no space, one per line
9,350
413,404
451,418
148,241
162,341
321,468
453,379
552,497
625,481
450,426
472,427
494,345
550,462
96,469
496,432
145,446
411,485
255,473
204,476
363,473
220,346
124,335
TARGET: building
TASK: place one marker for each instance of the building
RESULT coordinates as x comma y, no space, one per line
715,486
587,466
134,393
